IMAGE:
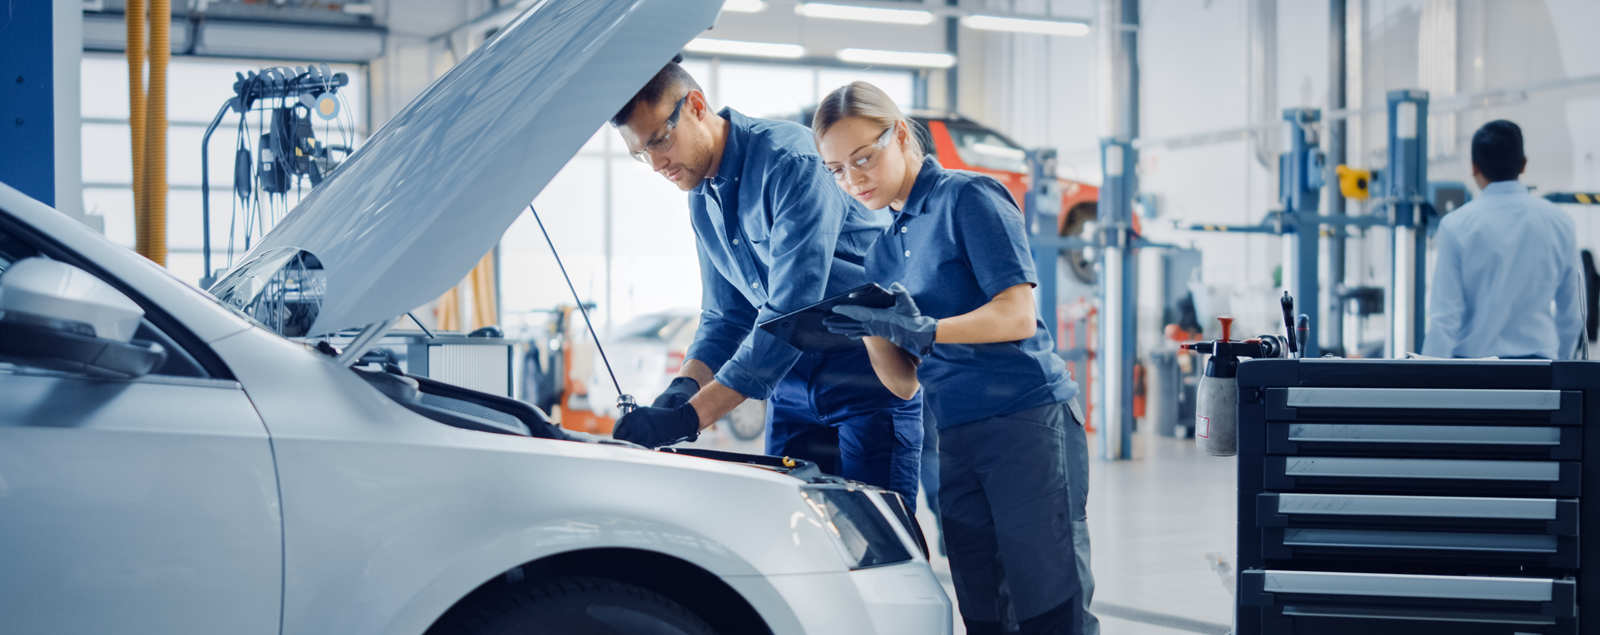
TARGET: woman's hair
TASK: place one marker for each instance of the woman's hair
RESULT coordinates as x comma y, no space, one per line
860,99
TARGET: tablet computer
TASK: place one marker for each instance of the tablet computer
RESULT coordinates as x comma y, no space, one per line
803,329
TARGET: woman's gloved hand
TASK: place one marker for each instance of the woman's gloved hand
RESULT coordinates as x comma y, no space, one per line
677,393
901,324
657,427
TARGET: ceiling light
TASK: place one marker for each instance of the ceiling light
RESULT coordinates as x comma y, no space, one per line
736,47
744,6
864,14
897,58
1020,25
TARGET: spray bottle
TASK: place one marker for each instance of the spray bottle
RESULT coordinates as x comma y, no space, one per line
1216,414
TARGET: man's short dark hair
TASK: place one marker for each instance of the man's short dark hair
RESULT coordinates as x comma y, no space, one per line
670,80
1497,151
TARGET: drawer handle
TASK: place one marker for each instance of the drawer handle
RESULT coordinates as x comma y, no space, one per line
1416,586
1424,398
1367,612
1417,506
1424,469
1465,435
1366,539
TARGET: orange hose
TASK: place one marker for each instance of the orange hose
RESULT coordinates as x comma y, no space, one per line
154,232
135,50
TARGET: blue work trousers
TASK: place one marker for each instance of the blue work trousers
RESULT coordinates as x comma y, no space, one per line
832,410
1012,494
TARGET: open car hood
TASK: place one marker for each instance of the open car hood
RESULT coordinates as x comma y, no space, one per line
415,208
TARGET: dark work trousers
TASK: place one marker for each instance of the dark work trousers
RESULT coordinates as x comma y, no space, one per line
832,410
1012,495
930,471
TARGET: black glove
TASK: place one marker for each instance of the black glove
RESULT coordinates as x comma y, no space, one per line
657,427
677,393
901,324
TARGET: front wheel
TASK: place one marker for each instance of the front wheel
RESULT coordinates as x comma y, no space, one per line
572,606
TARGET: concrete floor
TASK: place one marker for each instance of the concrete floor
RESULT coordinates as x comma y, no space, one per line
1152,520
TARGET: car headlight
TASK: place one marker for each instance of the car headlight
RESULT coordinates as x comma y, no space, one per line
863,533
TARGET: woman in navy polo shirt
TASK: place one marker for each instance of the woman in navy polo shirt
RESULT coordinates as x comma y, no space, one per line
1013,456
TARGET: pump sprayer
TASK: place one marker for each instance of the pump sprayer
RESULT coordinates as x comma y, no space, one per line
1216,414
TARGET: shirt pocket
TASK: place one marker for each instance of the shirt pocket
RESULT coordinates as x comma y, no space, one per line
755,227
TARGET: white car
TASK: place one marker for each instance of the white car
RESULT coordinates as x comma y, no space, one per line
168,465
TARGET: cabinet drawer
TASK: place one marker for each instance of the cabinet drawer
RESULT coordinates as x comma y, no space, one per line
1424,405
1547,516
1314,602
1359,475
1434,441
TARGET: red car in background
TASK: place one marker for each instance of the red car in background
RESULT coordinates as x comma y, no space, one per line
963,144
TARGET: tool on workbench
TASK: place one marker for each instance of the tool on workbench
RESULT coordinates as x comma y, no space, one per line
1216,414
1287,302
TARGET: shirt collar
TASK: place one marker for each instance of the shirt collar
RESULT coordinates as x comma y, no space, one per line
923,186
732,163
1506,187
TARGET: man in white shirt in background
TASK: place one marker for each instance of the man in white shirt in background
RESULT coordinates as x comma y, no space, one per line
1508,282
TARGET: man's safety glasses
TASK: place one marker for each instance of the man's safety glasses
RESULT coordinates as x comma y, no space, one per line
864,162
663,143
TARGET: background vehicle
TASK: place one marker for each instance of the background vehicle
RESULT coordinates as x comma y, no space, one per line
646,353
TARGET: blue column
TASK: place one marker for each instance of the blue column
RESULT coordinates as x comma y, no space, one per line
27,100
1405,192
1300,192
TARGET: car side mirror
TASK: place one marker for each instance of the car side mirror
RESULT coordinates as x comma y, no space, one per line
58,317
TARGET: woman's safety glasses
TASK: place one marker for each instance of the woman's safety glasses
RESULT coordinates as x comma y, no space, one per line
662,143
867,159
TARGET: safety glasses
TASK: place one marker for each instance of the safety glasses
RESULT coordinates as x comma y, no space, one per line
865,161
662,143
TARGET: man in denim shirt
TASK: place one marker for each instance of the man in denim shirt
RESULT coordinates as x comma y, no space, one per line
774,235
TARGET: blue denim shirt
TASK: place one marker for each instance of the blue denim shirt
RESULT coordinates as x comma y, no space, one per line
1508,280
958,242
775,234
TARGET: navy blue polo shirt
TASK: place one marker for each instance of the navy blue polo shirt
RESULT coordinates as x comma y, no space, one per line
774,235
957,243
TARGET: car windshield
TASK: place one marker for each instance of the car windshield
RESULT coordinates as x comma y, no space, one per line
987,149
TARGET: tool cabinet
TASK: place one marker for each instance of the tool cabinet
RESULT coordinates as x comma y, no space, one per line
1412,496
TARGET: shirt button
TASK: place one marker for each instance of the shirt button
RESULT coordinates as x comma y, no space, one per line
908,253
755,285
902,229
736,241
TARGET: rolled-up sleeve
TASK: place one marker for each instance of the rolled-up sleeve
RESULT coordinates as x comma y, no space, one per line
807,214
726,318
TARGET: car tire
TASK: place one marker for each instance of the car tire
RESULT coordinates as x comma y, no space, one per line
572,606
748,421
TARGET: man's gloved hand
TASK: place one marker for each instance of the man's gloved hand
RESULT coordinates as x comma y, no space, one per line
657,427
677,393
901,324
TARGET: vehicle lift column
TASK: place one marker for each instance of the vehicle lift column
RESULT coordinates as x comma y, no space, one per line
1119,41
1405,193
1300,180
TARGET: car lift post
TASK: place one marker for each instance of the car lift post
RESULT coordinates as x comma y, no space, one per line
1300,183
1405,193
1118,24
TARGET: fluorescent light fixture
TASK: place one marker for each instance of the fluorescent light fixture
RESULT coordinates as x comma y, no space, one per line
897,58
752,49
1022,25
863,14
744,6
